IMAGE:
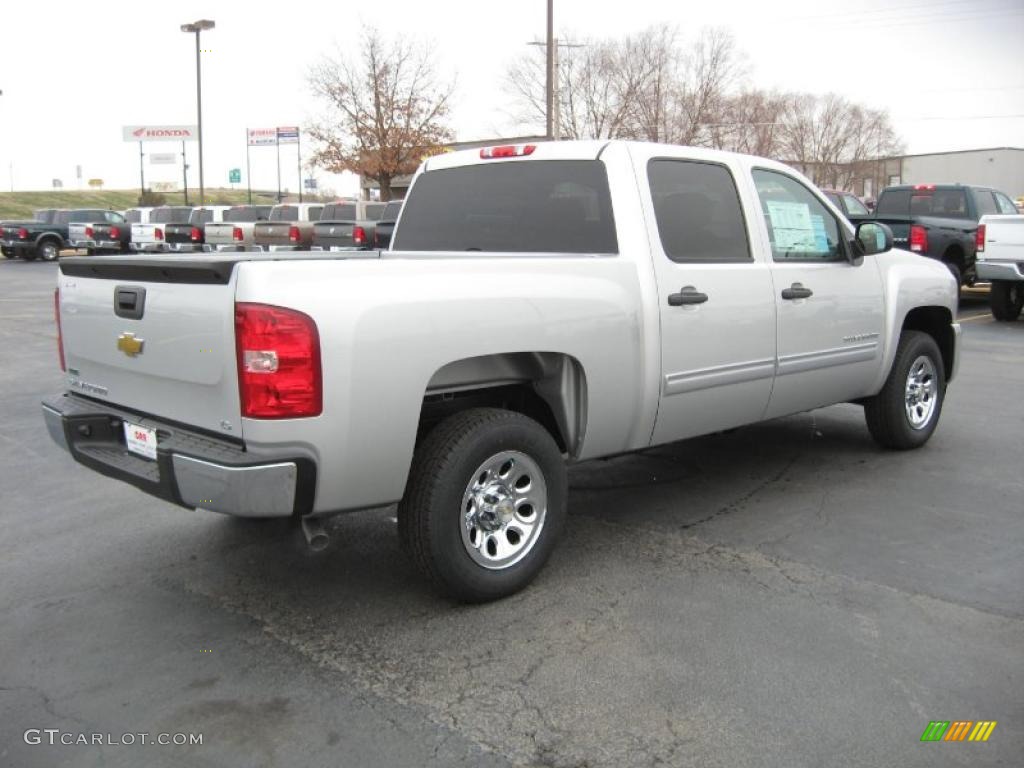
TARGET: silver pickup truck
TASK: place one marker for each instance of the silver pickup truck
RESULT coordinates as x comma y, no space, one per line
1000,241
543,304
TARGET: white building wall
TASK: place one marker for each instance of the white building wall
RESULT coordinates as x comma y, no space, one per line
1001,169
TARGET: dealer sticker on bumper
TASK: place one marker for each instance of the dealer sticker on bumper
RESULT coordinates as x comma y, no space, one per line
140,440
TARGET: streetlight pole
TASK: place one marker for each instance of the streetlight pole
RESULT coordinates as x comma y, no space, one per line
197,27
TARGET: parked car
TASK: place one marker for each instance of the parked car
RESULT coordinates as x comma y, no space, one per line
850,205
47,238
346,225
149,236
236,231
43,215
1001,262
288,228
543,304
109,234
191,235
386,224
940,221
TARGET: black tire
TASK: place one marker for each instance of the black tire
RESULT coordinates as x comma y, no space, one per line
90,251
887,414
48,250
8,252
1006,298
430,515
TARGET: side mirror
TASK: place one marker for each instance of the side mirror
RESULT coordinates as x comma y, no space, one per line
872,237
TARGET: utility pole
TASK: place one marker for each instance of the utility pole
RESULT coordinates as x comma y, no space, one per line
550,88
197,28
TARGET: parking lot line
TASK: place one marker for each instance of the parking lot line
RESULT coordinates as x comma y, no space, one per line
974,317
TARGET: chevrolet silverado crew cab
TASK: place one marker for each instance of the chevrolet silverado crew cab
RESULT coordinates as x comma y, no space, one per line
542,304
1001,260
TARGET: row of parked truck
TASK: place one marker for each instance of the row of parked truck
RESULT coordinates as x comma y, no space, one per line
343,225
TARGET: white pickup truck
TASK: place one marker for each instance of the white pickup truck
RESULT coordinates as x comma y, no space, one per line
149,236
543,304
1000,241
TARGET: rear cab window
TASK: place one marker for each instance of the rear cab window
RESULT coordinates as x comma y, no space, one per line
170,215
540,206
284,213
945,203
339,212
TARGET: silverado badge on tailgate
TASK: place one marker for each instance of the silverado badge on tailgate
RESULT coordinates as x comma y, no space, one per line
130,345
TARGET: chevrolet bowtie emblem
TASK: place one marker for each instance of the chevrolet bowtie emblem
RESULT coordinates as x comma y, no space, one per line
130,345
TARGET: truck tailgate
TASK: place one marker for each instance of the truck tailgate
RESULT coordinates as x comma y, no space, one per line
272,233
220,233
154,336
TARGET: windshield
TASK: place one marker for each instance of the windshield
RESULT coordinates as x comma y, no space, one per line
550,206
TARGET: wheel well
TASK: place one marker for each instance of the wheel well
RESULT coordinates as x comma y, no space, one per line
954,254
937,323
548,387
48,239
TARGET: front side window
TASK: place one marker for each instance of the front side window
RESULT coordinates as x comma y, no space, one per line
800,227
855,207
533,206
697,209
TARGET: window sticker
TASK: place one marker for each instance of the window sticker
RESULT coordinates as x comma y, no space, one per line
820,238
792,227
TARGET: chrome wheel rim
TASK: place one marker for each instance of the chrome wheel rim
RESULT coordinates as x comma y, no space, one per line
503,510
49,252
922,392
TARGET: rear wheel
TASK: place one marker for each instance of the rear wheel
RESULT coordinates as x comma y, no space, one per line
8,252
905,413
1006,298
485,503
48,250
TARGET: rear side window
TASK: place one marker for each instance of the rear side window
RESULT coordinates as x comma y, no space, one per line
800,227
284,213
61,217
985,202
314,212
548,206
698,211
893,203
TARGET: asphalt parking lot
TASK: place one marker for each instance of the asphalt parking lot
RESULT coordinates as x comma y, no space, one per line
782,595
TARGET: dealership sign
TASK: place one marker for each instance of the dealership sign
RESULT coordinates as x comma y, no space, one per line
160,132
288,134
261,137
163,158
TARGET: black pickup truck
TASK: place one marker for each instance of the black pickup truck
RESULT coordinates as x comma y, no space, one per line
346,225
386,225
45,237
939,221
44,215
191,236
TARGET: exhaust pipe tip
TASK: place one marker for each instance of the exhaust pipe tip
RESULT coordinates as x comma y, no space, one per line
315,533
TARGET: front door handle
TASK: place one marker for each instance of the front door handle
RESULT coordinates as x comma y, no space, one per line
797,291
687,295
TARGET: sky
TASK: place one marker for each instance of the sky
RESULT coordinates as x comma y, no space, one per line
949,72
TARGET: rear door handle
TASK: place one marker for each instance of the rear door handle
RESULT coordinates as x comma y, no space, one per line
797,291
687,295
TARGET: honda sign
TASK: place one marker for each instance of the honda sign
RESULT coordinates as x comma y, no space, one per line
160,132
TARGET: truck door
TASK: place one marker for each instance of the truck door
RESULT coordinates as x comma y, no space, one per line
830,309
715,298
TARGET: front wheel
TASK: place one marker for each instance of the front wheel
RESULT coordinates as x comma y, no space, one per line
905,413
485,503
7,252
1006,298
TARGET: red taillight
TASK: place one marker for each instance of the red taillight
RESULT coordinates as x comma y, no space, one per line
508,150
358,235
158,234
196,234
979,238
23,234
60,336
115,233
236,234
1,231
278,362
918,239
293,234
90,232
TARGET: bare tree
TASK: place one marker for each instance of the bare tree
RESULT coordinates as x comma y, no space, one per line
385,111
